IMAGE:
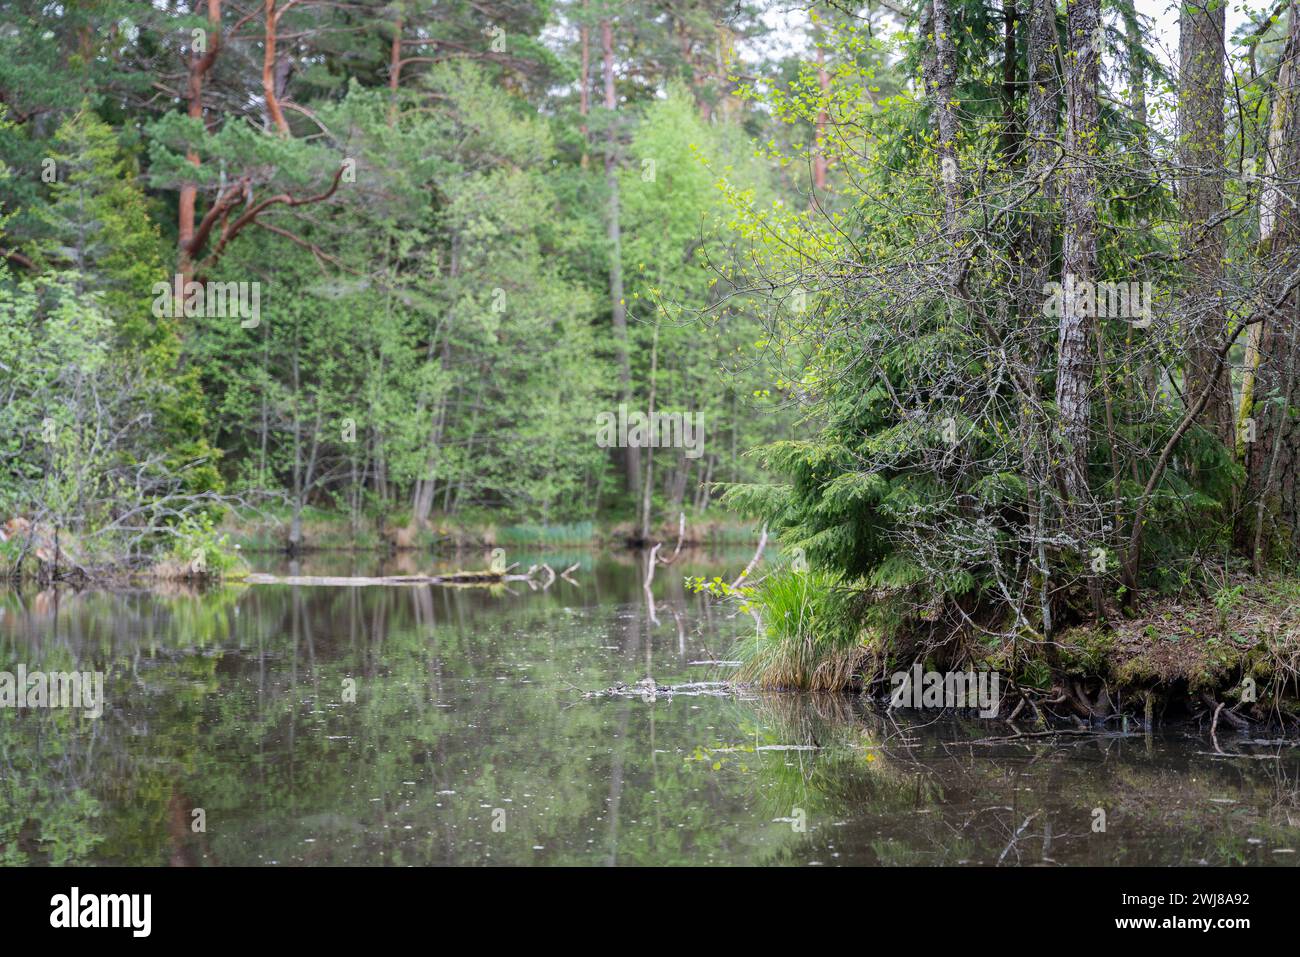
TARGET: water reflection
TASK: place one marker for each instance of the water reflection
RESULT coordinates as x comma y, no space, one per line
426,725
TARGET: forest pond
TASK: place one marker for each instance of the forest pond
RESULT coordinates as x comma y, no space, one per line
283,725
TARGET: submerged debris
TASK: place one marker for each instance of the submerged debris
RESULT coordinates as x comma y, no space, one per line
648,690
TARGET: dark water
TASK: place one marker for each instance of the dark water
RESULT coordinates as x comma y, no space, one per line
469,742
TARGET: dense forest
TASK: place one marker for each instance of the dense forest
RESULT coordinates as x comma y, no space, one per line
988,310
386,259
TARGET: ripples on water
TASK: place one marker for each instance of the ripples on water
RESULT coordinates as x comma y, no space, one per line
469,742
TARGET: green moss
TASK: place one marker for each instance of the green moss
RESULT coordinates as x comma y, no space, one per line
1138,671
1086,651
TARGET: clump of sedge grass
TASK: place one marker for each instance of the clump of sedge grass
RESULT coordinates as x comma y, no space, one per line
808,639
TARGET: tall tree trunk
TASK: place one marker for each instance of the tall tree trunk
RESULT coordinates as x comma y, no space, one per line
295,526
941,84
1137,74
423,494
1042,107
1010,128
632,454
1270,206
269,71
1075,360
381,466
200,64
1074,369
1148,371
1200,200
1273,461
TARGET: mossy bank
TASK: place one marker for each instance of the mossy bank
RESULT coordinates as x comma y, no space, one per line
1228,657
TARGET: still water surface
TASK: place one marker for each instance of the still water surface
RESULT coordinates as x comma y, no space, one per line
469,741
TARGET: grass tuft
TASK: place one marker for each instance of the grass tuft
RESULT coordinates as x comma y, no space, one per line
808,640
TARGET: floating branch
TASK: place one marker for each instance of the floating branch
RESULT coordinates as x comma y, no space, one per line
647,690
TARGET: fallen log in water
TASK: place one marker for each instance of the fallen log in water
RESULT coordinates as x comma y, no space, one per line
469,578
455,578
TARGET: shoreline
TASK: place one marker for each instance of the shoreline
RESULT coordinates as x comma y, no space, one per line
1229,659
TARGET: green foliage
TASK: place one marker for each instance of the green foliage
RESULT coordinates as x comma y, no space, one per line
99,226
204,550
